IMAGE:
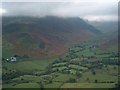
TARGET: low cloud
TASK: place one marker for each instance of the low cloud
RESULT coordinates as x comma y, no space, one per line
102,18
87,10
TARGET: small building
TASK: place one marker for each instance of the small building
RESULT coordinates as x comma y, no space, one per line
7,60
13,59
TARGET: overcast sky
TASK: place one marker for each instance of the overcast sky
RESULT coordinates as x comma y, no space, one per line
93,10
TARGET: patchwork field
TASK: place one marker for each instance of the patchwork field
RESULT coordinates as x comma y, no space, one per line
82,66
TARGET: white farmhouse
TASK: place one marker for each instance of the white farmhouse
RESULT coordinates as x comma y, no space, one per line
13,59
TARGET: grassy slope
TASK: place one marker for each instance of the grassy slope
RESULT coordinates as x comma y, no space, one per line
28,66
23,85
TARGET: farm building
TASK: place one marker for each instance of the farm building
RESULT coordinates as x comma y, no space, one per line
13,59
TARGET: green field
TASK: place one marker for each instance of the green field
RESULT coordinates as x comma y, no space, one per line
87,85
53,85
23,85
63,77
30,65
84,67
100,76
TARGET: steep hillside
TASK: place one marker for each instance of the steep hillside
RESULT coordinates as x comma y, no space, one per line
109,39
43,37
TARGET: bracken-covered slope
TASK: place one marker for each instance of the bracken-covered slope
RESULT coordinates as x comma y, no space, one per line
109,38
43,37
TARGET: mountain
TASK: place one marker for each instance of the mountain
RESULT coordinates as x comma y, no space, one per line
43,37
105,26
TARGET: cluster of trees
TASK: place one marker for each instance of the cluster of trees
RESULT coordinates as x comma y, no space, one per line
108,61
72,80
11,75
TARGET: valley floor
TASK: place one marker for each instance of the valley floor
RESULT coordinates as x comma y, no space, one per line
82,66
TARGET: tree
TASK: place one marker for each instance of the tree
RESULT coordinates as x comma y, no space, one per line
78,74
96,81
41,86
16,55
50,81
87,79
114,67
93,72
72,80
22,79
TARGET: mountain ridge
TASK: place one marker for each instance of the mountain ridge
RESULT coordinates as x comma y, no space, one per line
45,37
